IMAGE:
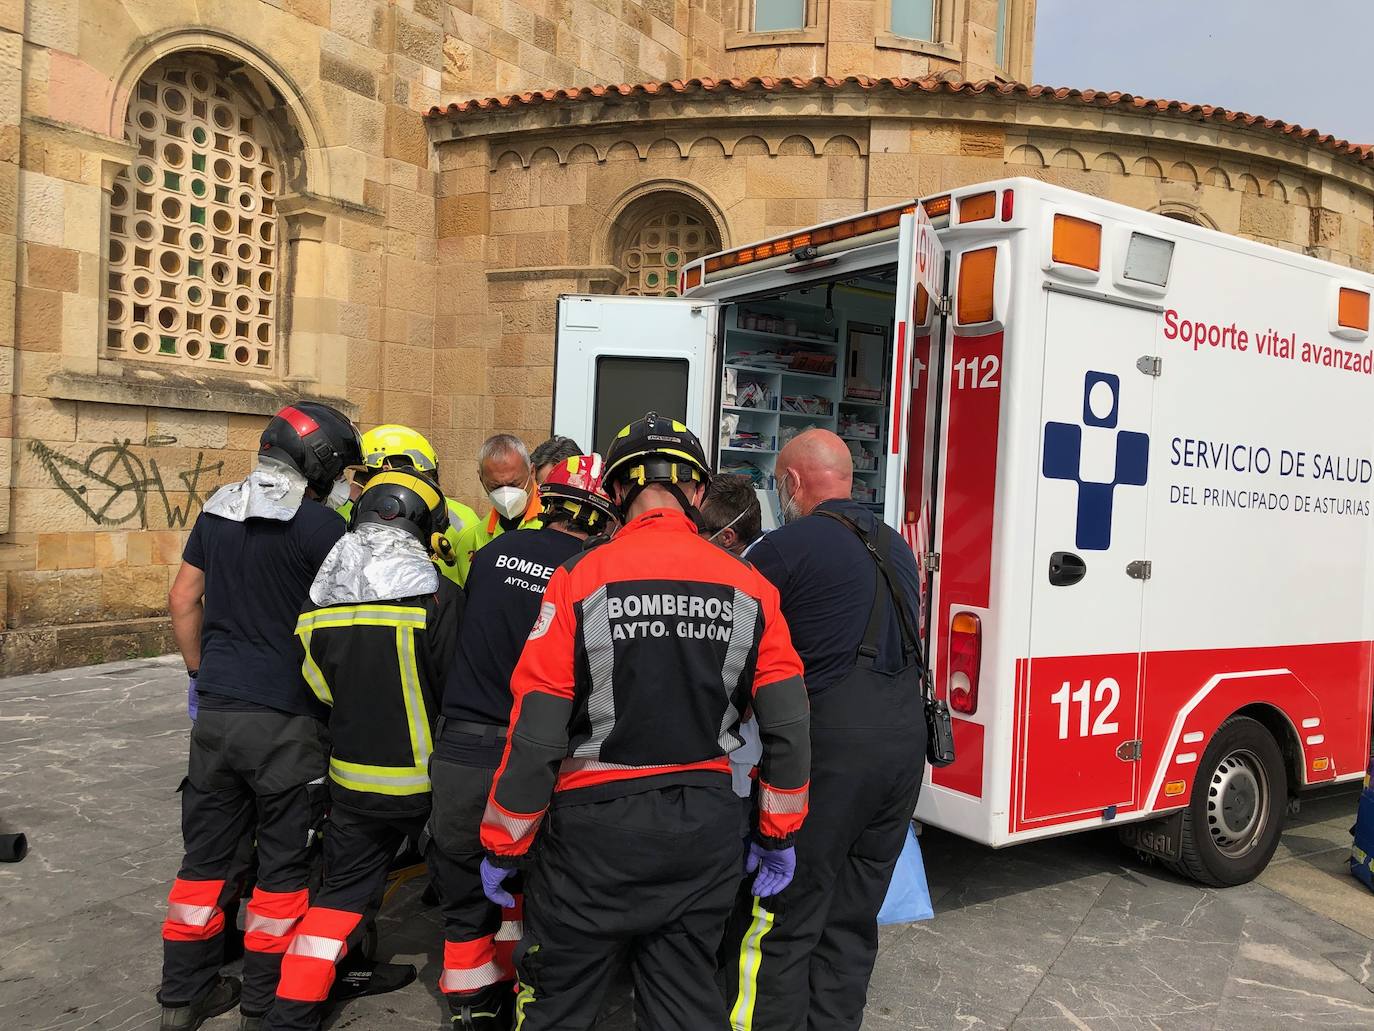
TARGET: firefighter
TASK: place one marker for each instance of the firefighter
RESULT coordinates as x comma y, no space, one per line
805,961
505,586
551,454
627,700
503,466
377,635
399,447
258,746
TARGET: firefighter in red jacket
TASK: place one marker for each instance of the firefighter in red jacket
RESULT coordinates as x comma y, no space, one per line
628,698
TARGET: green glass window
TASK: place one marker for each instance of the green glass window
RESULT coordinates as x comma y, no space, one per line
913,19
779,15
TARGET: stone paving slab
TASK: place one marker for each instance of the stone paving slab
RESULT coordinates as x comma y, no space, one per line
1067,934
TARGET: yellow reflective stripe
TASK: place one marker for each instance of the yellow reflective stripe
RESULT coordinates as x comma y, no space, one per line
379,780
522,1000
428,494
314,676
417,719
750,960
362,615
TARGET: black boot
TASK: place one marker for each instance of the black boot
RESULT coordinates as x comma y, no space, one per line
222,997
491,1009
358,976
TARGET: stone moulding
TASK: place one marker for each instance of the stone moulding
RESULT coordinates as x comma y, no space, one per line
198,393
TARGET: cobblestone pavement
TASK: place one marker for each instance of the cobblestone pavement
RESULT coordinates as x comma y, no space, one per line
1063,934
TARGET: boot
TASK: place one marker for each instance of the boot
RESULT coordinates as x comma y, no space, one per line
222,997
358,976
248,1023
490,1009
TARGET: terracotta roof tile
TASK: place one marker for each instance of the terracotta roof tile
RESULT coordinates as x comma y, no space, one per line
769,84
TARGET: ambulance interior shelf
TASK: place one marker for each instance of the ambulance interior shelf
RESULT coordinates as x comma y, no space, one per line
817,356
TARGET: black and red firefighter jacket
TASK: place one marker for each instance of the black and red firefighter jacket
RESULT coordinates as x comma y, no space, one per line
646,652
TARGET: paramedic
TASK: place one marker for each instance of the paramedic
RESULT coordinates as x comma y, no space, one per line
258,747
377,634
627,697
730,515
503,467
400,447
808,963
505,587
554,451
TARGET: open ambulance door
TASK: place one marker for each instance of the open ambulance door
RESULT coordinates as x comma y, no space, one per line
1080,695
616,358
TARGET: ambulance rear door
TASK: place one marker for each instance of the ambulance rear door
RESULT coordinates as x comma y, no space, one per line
616,358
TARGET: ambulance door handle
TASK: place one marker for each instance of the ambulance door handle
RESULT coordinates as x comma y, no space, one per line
1066,569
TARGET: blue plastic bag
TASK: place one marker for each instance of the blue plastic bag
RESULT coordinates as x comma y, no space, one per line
908,895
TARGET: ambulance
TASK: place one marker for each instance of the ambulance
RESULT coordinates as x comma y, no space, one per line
1133,456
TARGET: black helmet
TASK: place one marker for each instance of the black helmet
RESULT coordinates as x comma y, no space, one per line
656,450
405,499
316,440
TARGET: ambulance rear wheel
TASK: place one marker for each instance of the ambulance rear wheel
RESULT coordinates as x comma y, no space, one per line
1235,816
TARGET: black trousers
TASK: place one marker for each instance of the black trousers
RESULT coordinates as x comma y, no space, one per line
247,768
479,938
647,878
802,959
358,850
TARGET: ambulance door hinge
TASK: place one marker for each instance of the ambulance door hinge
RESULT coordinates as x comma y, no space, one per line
931,562
1140,569
945,306
1128,751
1150,364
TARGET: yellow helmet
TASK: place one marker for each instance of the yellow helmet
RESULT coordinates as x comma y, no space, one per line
392,446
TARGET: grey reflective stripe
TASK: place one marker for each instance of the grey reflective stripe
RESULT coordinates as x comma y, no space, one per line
516,826
597,766
339,770
596,637
746,613
191,916
316,946
456,979
781,802
420,742
510,931
276,927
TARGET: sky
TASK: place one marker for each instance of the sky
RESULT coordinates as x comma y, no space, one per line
1296,60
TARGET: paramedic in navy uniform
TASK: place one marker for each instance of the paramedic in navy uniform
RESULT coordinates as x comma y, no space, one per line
806,964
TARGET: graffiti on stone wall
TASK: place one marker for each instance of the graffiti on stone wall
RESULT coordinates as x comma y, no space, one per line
115,487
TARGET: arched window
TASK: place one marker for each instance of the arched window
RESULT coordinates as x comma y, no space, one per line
662,233
194,229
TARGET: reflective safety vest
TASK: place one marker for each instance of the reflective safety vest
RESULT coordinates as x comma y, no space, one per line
381,667
484,531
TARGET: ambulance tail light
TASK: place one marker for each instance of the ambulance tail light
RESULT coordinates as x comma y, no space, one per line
977,277
978,208
965,661
1008,205
1077,242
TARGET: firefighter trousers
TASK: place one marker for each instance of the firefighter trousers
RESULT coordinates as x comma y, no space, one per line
258,768
479,937
646,879
358,850
802,959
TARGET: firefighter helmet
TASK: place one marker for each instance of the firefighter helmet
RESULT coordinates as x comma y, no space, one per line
392,447
316,440
405,499
573,492
656,450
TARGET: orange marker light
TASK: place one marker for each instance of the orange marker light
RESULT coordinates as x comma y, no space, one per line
977,275
922,304
1320,765
978,208
937,207
692,277
1174,788
1354,309
1077,242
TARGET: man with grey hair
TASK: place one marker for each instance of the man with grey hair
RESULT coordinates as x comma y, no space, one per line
553,451
503,466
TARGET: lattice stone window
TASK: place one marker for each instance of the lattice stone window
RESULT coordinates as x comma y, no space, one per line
194,228
656,252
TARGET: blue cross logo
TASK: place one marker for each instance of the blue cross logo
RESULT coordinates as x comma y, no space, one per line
1063,459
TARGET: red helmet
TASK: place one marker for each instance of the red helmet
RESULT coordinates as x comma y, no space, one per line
318,441
573,492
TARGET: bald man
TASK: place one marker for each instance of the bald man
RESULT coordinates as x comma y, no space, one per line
803,960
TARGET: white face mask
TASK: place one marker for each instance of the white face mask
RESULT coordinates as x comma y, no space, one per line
511,502
788,505
339,495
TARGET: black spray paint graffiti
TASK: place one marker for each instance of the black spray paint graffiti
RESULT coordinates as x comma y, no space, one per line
113,485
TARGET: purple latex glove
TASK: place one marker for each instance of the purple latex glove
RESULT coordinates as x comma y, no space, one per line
776,868
192,697
492,877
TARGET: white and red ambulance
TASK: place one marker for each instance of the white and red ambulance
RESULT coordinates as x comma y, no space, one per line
1135,456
